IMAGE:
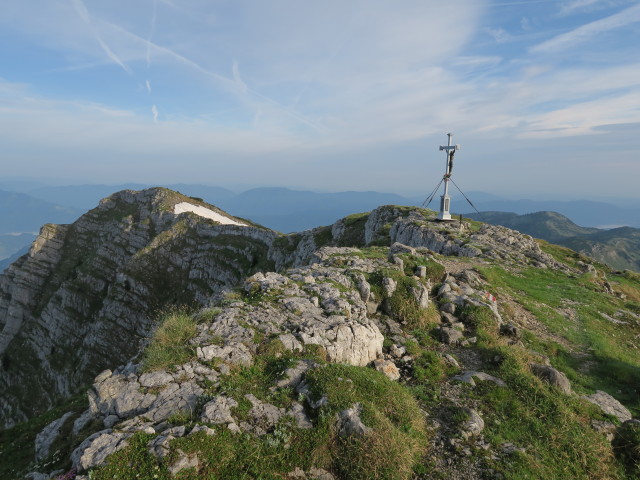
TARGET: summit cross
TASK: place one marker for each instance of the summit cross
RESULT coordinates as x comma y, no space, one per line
445,199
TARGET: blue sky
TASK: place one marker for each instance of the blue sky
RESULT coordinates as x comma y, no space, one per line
543,96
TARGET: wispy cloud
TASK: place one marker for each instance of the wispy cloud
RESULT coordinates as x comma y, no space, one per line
154,111
586,32
154,19
500,35
570,7
81,8
242,87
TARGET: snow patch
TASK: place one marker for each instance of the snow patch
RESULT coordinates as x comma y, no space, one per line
206,213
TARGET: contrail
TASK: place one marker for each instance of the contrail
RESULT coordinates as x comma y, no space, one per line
82,11
229,84
153,30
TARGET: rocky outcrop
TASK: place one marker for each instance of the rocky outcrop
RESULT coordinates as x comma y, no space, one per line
109,271
122,262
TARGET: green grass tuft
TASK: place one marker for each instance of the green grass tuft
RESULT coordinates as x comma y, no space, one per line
169,345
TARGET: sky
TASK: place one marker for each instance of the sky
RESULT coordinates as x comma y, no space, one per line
543,96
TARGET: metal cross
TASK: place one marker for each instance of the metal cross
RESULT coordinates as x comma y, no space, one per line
445,201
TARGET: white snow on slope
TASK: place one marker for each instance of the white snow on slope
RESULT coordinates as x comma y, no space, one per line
206,213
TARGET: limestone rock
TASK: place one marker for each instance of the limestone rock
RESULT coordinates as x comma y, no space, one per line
349,423
62,302
184,461
470,375
473,425
320,474
202,428
388,368
421,295
448,307
389,285
552,377
95,449
293,375
218,410
297,412
82,421
48,435
236,354
263,416
609,405
450,336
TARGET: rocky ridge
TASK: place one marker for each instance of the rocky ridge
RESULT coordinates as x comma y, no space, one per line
121,263
378,290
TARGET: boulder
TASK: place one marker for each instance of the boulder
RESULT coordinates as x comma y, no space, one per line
388,368
609,405
448,307
349,423
473,425
218,410
552,376
95,449
450,335
48,435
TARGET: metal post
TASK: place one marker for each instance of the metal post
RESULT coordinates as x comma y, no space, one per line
445,200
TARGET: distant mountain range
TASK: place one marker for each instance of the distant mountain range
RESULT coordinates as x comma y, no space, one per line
618,247
583,212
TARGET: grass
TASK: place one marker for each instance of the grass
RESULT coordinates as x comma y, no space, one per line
353,235
435,271
390,451
554,429
627,446
605,346
169,345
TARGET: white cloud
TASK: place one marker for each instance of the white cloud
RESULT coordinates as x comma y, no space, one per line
84,14
586,32
500,35
154,111
570,7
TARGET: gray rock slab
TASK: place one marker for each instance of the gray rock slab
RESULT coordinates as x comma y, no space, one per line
450,336
49,435
349,423
609,405
552,376
95,449
470,375
474,423
218,410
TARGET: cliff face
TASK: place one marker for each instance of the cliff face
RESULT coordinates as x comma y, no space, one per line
85,295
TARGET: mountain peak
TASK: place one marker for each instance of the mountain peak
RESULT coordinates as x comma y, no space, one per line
283,336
